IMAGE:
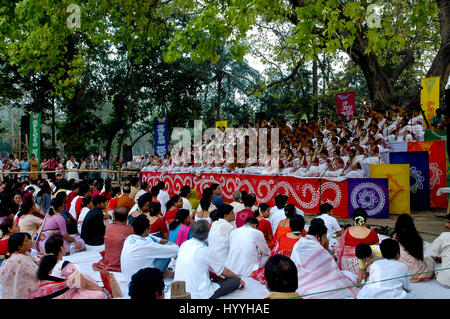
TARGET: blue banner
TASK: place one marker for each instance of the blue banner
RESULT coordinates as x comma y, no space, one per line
161,132
419,175
369,193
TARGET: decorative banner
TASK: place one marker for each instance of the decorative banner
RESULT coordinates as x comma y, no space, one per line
429,97
35,137
436,154
220,124
398,180
419,173
161,132
304,193
399,146
433,136
372,194
346,104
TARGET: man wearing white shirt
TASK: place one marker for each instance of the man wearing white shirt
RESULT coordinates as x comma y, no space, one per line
141,250
144,189
194,260
277,212
330,222
185,193
163,197
246,245
219,234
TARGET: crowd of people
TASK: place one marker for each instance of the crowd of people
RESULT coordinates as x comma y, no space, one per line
201,239
306,149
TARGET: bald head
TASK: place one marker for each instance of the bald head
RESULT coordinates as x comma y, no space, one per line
120,214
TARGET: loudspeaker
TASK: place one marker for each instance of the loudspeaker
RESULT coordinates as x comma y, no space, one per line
127,151
24,127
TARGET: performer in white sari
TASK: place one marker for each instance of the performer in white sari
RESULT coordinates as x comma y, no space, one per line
416,122
317,270
373,153
353,168
312,163
324,162
403,133
337,165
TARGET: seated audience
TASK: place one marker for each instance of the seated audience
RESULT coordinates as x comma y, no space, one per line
7,228
440,252
325,211
157,225
27,221
261,214
277,213
93,228
218,238
125,199
179,230
247,212
173,205
366,256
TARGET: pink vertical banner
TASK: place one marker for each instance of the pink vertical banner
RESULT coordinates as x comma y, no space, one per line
346,104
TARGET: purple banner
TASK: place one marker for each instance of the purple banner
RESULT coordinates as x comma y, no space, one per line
372,194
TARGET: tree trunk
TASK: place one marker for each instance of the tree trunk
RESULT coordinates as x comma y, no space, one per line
379,85
315,88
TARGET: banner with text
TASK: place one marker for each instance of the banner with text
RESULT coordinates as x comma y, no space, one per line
346,104
35,137
429,97
161,132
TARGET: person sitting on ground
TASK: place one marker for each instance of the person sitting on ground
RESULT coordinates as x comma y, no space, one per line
237,202
195,258
261,214
27,221
7,228
366,256
141,250
247,212
185,193
317,270
277,213
87,205
157,225
249,242
179,228
207,193
387,268
219,234
115,235
440,252
144,189
143,208
163,197
281,278
325,212
134,183
217,190
204,212
146,284
75,206
283,226
18,272
155,191
55,224
71,222
173,205
411,249
93,228
116,192
194,200
354,235
126,200
71,285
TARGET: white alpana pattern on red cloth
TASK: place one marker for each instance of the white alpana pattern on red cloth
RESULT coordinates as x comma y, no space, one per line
304,193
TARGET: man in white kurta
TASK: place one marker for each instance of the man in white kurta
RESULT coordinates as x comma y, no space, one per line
246,245
219,236
141,250
194,260
163,197
277,215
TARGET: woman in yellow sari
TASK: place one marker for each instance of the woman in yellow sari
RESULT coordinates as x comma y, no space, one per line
33,167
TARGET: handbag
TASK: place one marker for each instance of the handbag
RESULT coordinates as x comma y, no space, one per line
110,283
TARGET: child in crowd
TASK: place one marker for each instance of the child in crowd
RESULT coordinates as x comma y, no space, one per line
366,254
388,278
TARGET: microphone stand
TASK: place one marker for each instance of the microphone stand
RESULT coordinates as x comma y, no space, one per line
320,181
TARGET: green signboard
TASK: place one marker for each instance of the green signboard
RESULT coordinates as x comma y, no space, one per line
35,137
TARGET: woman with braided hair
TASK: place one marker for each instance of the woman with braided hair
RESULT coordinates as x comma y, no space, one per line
354,235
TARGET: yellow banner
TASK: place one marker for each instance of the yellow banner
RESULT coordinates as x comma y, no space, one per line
220,124
398,184
429,97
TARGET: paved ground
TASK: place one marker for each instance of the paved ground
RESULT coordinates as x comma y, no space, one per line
429,224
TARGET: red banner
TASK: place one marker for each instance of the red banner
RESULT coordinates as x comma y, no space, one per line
304,193
438,169
346,104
